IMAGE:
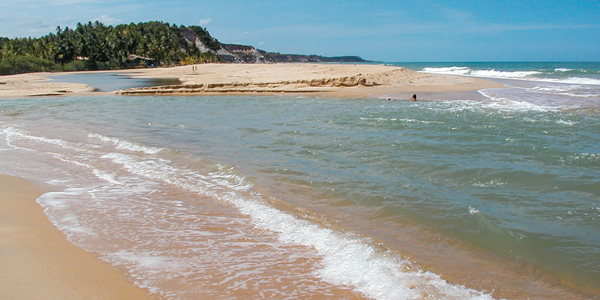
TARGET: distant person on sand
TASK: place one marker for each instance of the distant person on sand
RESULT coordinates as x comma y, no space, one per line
414,97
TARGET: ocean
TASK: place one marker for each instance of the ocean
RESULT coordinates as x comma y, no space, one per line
486,195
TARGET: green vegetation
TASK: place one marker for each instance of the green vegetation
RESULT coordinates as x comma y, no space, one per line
18,64
205,38
94,46
278,57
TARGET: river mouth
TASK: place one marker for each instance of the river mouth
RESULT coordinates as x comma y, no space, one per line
112,81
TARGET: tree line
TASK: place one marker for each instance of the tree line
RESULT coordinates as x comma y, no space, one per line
94,46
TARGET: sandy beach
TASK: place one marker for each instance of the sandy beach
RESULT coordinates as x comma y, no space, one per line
36,84
37,261
164,188
333,80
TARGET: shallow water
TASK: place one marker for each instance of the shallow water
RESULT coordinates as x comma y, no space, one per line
110,81
285,197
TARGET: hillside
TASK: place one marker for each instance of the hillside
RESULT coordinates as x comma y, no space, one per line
94,46
249,54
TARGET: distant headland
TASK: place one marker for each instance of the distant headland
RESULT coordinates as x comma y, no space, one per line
95,46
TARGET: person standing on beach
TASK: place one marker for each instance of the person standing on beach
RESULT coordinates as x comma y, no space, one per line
414,97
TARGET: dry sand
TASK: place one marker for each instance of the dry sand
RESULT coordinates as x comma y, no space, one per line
35,84
37,261
334,80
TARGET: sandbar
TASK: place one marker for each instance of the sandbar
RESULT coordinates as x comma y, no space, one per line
38,262
332,80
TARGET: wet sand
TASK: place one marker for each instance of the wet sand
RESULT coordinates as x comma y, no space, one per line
38,262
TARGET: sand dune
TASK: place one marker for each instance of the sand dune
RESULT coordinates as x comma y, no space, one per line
37,85
335,80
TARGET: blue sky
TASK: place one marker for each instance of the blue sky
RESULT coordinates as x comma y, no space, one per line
393,31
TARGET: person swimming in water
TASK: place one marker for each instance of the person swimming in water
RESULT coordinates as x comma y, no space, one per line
414,97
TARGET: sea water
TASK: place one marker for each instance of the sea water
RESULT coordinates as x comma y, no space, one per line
286,197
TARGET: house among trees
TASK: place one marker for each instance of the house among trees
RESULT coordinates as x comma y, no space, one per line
139,61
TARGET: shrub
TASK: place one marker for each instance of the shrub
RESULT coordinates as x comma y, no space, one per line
25,64
76,65
190,60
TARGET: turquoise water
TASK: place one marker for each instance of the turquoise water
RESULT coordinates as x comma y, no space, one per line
316,197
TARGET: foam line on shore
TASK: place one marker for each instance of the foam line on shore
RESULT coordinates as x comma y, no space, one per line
37,261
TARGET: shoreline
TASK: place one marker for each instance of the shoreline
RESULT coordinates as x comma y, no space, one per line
38,262
456,272
329,80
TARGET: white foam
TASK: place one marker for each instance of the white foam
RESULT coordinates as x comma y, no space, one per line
504,103
77,159
50,200
589,157
473,210
465,71
60,214
418,121
492,183
568,123
501,105
574,80
145,260
554,89
504,74
347,259
98,173
106,176
519,75
126,145
58,181
13,135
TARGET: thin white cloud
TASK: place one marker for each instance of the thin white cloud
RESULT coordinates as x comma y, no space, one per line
516,27
34,24
19,26
37,3
106,20
205,22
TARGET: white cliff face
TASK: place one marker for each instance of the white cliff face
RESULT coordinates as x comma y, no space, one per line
248,54
192,37
259,57
202,47
224,51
